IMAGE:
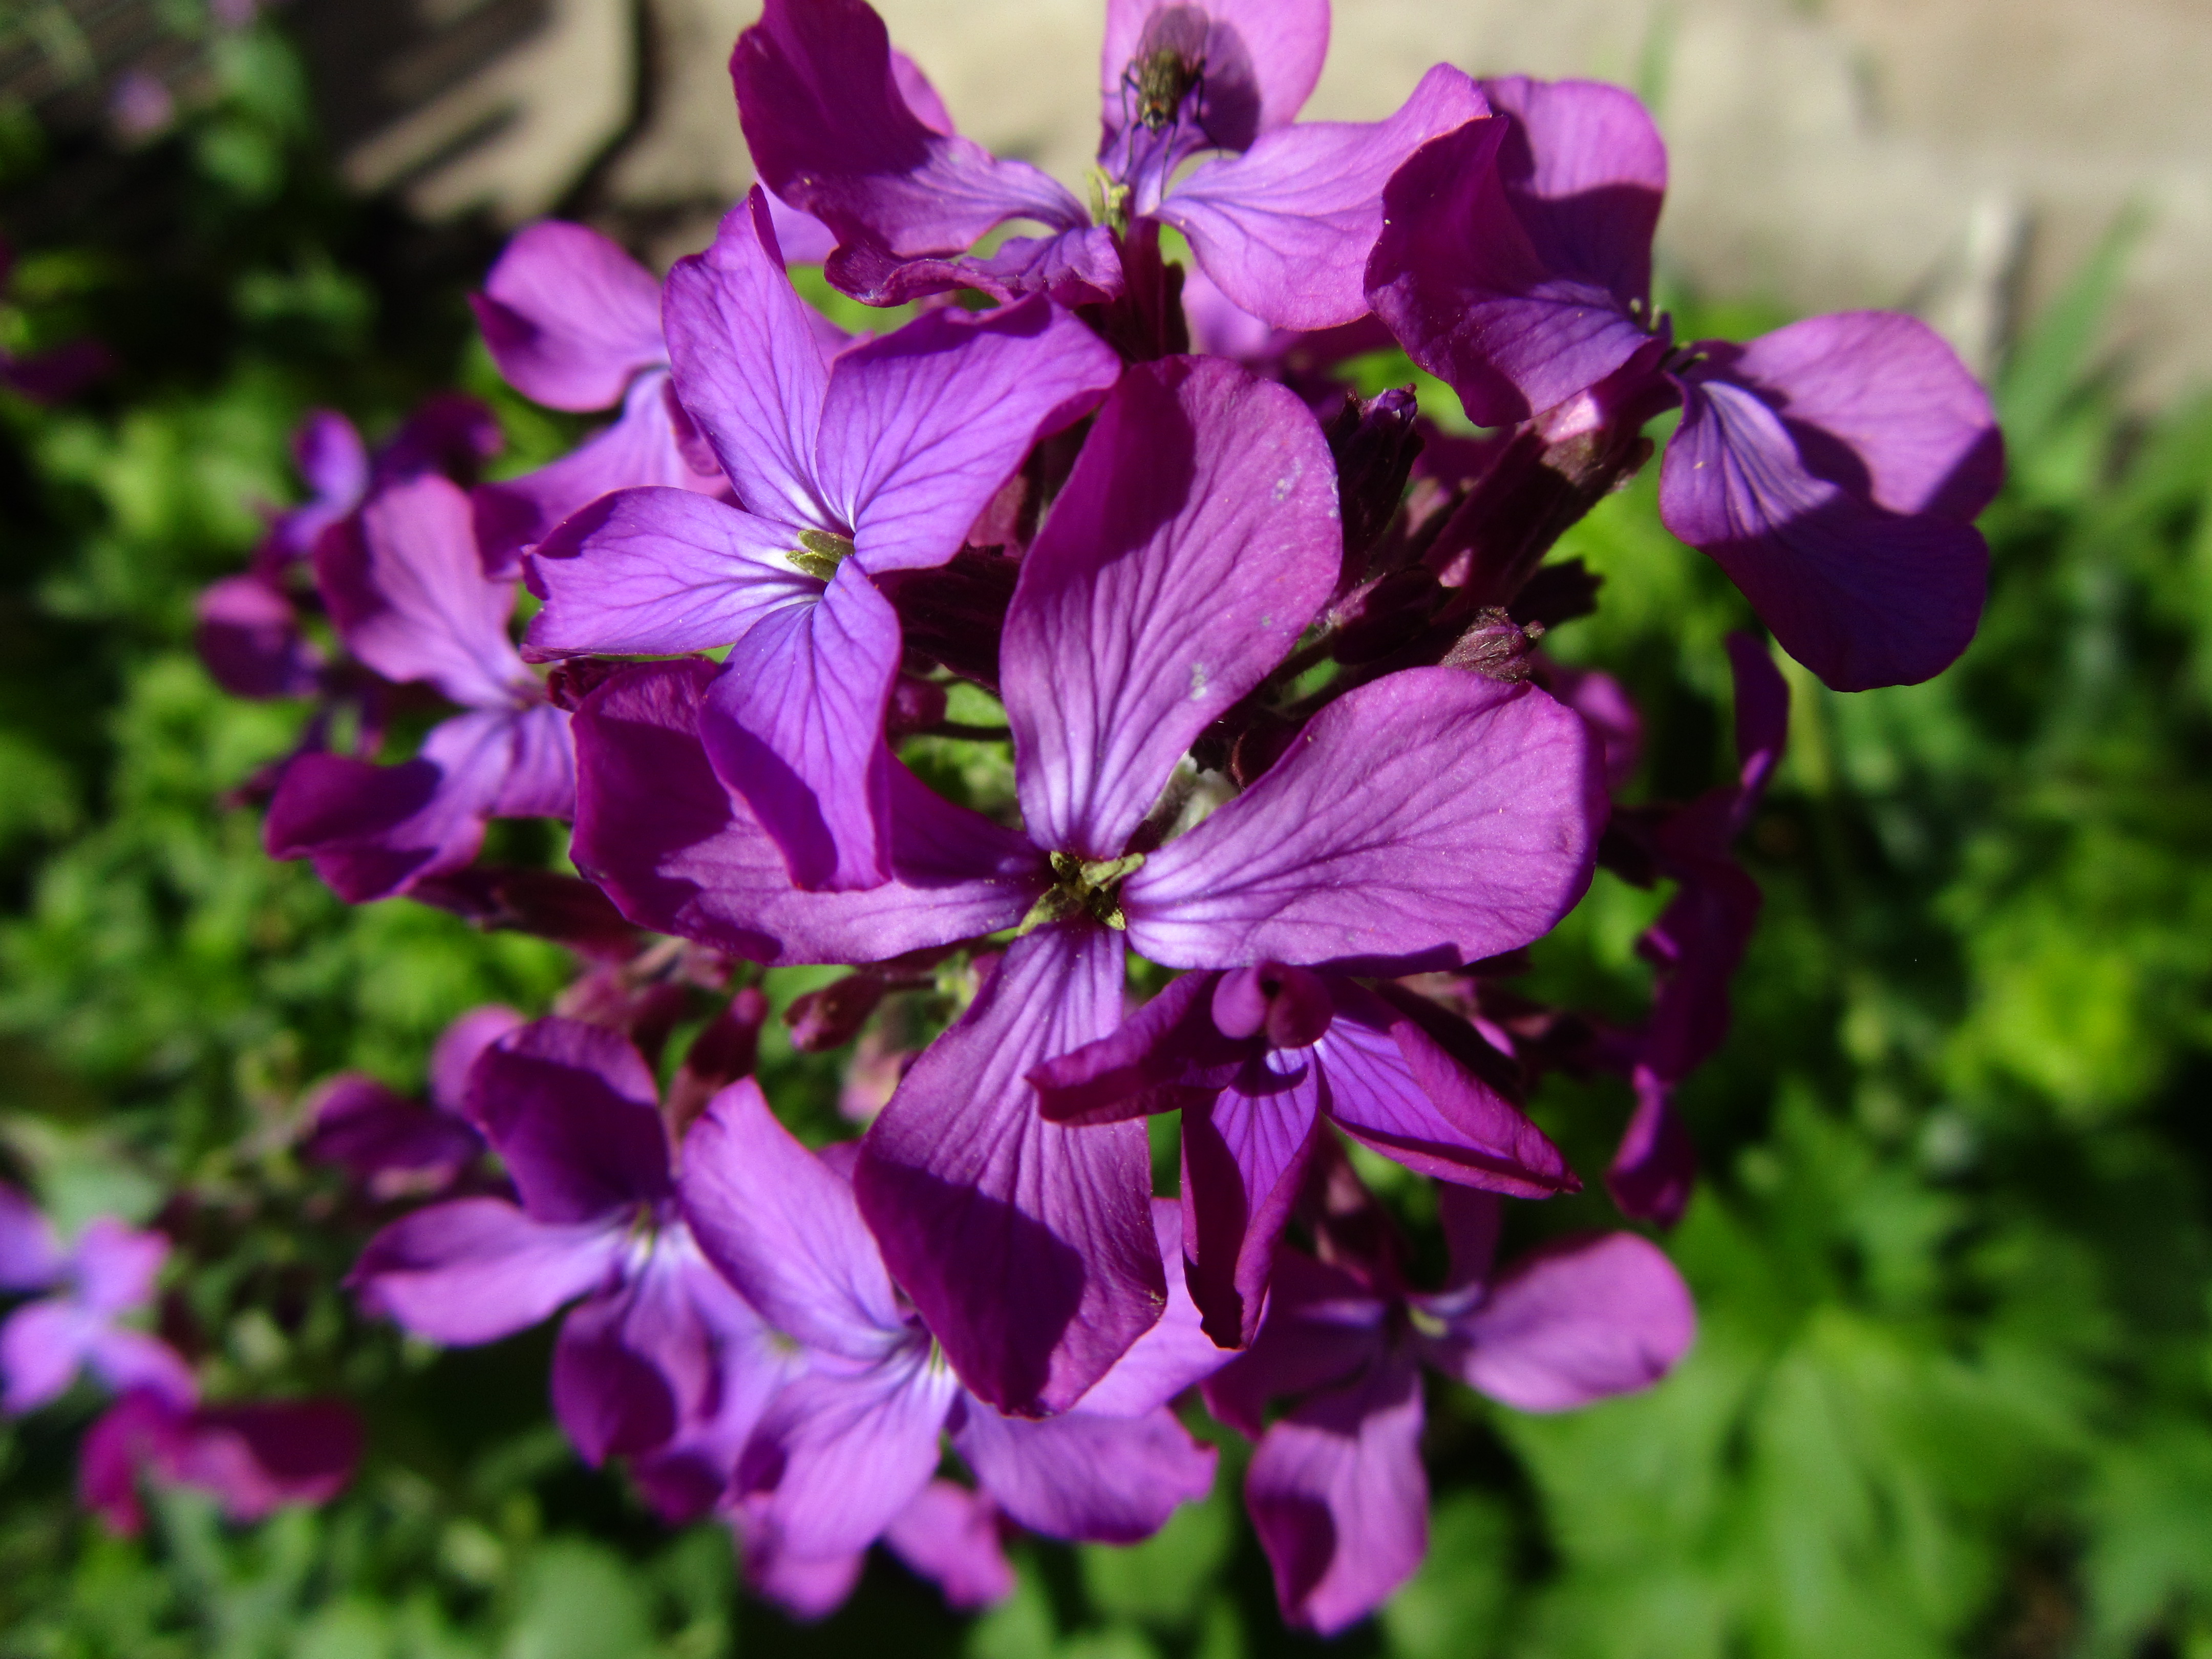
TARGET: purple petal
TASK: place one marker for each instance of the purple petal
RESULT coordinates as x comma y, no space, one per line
1860,595
541,772
1576,1321
1112,1480
574,1113
1171,1355
1465,287
609,1398
458,1048
1339,1498
840,1455
42,1345
1244,1158
408,596
569,317
1168,1056
1028,1247
801,238
922,427
1604,704
661,571
1698,942
1472,1221
331,455
1391,1087
116,1267
477,1269
125,1435
795,725
248,635
259,1457
1586,170
125,1359
1762,720
951,1536
30,1255
806,1588
1077,267
1195,538
1323,1326
1656,1168
1262,59
784,1229
1431,813
1879,407
1285,230
750,366
677,853
832,134
380,1139
643,448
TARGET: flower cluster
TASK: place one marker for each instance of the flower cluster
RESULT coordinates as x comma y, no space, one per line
1174,719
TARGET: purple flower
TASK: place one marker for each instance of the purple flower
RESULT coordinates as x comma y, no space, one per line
575,323
1431,816
1255,1060
1281,218
572,1112
850,464
847,1447
409,598
1696,943
108,1273
1335,1488
948,1534
395,1146
253,1458
1833,468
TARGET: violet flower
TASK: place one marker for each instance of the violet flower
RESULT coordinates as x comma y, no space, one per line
1280,218
393,1145
573,323
1335,1488
845,1449
253,1458
1698,942
107,1273
409,598
947,1534
1431,816
572,1112
1257,1060
850,464
1833,468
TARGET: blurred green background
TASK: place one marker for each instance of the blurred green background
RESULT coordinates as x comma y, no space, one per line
1954,1389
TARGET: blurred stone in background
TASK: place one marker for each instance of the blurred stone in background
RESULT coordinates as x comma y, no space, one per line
1958,157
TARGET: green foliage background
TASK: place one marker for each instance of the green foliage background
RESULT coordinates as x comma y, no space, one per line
1954,1390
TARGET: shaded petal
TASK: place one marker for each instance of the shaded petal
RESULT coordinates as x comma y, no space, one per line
784,1229
1323,1326
659,571
1575,1320
257,1458
1881,406
795,725
1431,813
541,772
610,1399
1339,1498
1195,538
1244,1158
921,427
331,455
1860,595
644,447
840,1455
575,1114
1586,170
750,366
477,1269
806,1588
1077,267
42,1345
408,596
949,1535
30,1255
1285,230
248,635
122,1437
832,133
125,1359
677,853
1390,1087
1262,58
1171,1355
115,1266
458,1048
1169,1056
1028,1247
1762,720
1656,1168
1110,1479
568,316
371,1133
